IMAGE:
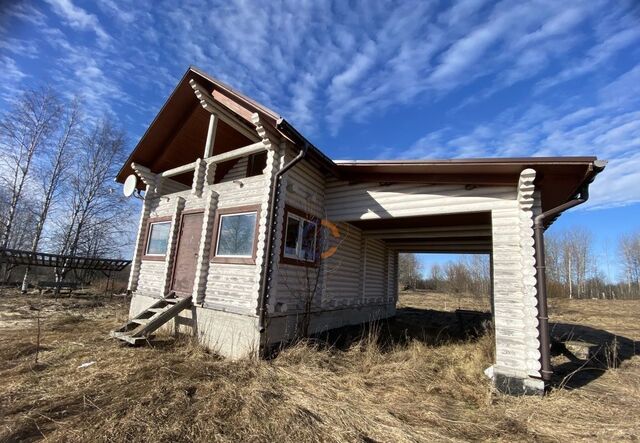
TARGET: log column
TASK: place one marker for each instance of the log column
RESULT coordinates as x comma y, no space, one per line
171,246
202,268
517,367
138,252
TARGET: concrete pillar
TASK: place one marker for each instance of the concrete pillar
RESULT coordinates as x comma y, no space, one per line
517,366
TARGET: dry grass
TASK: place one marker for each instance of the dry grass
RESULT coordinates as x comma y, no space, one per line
398,382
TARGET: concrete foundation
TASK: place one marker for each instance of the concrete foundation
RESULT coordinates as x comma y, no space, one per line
283,328
513,383
236,336
227,334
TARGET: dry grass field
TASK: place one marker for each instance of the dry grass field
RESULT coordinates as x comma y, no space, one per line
415,378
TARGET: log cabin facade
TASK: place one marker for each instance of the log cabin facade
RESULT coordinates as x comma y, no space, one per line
263,232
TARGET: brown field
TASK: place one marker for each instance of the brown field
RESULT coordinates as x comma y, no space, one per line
417,377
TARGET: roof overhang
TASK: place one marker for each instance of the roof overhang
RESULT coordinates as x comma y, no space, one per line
179,107
557,178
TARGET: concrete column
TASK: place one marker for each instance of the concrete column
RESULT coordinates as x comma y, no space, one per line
138,252
517,366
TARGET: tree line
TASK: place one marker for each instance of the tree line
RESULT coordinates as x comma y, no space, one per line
57,166
574,269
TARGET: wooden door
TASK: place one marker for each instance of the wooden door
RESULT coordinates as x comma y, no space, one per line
184,268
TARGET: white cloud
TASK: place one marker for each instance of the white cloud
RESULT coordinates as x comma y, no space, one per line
79,18
327,65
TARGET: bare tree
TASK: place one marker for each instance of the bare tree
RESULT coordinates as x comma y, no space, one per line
56,163
630,257
24,130
578,260
409,270
93,206
436,276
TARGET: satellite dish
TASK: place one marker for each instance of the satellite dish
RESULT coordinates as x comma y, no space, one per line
130,185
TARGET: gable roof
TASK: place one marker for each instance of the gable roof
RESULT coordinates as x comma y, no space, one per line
558,178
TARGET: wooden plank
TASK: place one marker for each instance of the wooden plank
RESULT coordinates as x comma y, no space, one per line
237,153
214,107
179,170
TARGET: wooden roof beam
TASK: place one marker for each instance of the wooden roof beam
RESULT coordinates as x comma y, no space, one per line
212,106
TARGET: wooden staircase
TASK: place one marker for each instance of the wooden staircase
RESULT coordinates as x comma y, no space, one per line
139,329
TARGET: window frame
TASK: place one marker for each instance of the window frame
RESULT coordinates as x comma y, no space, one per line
147,237
302,217
217,225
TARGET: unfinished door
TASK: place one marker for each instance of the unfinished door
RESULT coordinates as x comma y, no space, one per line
184,270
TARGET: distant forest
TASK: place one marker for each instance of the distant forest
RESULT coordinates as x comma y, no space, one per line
573,269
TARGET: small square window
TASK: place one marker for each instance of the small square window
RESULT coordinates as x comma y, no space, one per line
236,234
300,238
158,238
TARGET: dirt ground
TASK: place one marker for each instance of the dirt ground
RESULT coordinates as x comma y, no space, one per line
418,377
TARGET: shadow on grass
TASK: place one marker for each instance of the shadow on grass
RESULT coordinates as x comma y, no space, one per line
582,354
572,369
431,327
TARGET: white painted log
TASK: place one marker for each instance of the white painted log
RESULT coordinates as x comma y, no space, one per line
179,170
211,136
237,153
211,105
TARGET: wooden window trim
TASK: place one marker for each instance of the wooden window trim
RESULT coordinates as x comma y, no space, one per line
214,244
306,216
147,232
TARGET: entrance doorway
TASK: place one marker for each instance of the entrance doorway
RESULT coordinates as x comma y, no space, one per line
184,269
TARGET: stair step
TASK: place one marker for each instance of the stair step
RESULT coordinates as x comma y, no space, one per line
151,319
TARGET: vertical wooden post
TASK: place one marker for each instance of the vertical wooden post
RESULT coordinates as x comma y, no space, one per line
171,246
202,267
363,269
198,177
138,252
211,136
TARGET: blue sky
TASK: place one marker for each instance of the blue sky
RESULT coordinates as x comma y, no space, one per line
370,79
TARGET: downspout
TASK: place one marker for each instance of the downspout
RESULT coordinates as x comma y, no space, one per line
271,255
541,278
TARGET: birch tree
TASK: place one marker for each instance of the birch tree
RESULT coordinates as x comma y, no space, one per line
56,163
409,270
93,204
24,129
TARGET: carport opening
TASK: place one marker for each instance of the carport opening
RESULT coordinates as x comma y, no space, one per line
447,286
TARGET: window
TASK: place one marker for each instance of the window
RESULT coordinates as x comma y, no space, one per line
236,233
256,164
158,238
300,238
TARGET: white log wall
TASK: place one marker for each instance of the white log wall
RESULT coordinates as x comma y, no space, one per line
238,171
367,201
228,287
302,189
514,293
